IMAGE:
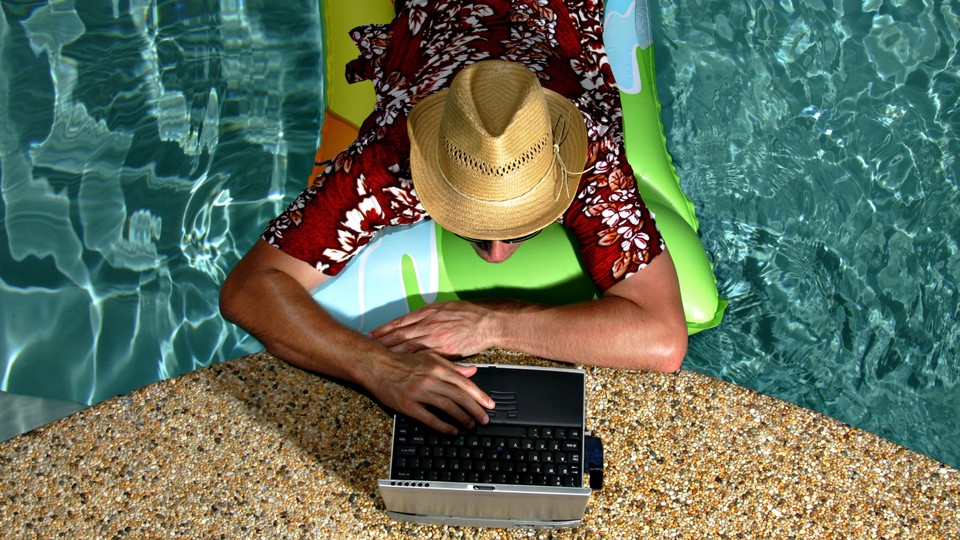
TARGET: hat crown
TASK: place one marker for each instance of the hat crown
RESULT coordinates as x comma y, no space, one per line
495,135
496,155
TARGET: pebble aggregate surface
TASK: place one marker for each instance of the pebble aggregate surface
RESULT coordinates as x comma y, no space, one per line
254,448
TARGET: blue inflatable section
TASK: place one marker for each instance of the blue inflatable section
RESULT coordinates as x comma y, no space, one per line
370,290
626,28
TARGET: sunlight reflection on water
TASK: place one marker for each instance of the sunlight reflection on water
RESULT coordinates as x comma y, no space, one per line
820,147
168,136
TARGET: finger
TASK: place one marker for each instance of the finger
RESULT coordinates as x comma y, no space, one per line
471,400
467,370
456,408
457,405
387,329
444,408
397,335
402,321
432,421
406,340
479,395
406,347
464,401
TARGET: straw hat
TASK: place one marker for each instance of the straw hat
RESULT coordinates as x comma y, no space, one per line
496,156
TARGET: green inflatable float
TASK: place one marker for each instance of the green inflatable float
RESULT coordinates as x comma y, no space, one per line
410,267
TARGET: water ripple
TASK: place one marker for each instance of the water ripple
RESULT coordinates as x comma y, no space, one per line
141,149
827,196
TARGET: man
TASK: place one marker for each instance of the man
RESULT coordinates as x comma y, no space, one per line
505,115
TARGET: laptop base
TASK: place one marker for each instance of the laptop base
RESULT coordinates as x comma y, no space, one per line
495,523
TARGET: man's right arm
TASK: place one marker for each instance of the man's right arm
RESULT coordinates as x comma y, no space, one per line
268,295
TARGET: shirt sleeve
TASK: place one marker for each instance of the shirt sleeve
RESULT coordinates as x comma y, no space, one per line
616,232
364,189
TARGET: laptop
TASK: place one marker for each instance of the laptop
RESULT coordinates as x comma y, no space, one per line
525,468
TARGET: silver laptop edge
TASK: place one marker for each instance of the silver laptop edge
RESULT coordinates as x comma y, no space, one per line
484,505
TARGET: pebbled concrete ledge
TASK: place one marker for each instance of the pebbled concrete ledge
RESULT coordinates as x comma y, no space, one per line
255,448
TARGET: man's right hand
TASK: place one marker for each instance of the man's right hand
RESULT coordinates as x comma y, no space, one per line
425,385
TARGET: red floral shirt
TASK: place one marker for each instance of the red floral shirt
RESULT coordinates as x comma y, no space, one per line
367,186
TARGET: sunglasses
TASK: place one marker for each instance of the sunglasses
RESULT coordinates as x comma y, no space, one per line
510,241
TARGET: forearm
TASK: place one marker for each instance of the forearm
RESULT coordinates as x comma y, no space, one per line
611,331
278,309
279,312
637,324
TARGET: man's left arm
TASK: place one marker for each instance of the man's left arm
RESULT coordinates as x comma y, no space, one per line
636,324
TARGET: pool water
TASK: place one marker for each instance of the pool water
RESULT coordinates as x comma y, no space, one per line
144,144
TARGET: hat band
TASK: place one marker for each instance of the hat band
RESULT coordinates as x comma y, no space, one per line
472,198
467,160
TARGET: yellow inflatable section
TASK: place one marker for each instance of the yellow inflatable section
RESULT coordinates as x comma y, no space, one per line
457,273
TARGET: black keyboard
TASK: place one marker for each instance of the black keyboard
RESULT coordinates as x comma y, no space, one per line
490,454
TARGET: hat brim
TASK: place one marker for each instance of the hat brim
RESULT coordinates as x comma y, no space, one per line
495,220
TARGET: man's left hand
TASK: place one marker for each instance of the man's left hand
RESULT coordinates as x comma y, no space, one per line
451,329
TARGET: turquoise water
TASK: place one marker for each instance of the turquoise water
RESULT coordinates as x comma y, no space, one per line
819,141
143,145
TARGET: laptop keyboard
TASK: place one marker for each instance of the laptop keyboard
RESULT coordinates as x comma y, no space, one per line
491,454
